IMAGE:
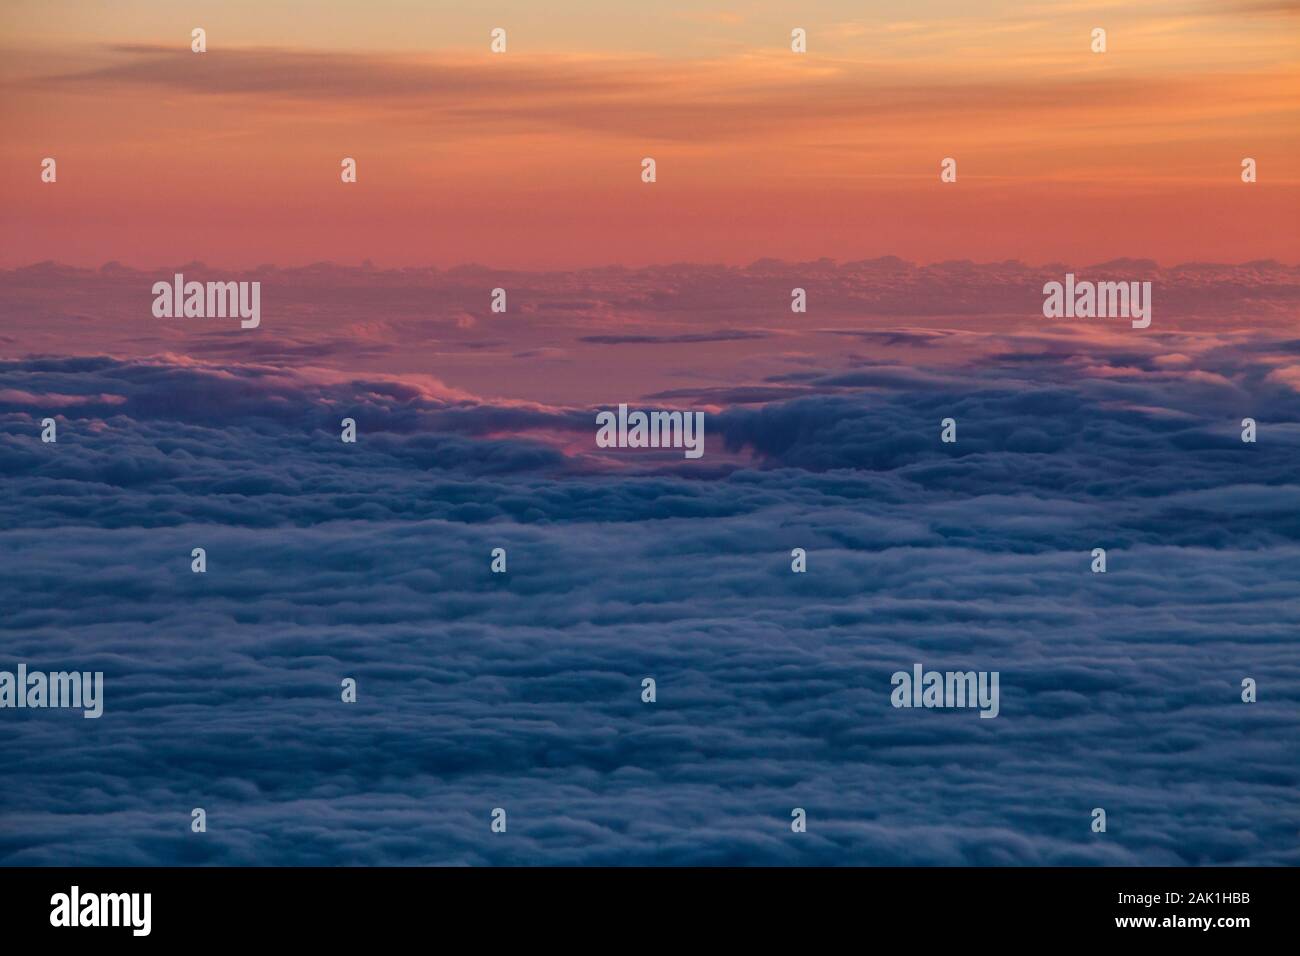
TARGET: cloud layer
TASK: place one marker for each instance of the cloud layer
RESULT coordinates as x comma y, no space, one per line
522,690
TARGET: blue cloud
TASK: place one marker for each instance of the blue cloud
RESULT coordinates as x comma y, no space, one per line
523,690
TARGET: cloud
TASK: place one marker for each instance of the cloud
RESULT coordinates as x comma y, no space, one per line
522,690
722,335
719,333
735,98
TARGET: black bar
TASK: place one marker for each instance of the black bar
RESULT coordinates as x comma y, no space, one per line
623,906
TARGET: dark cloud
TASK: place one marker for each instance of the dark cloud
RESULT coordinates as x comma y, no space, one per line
522,691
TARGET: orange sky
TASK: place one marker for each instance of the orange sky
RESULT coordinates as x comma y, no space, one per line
531,159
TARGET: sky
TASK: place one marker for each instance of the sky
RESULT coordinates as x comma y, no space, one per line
531,159
476,430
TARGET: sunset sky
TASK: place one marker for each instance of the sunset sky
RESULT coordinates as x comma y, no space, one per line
777,172
531,159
